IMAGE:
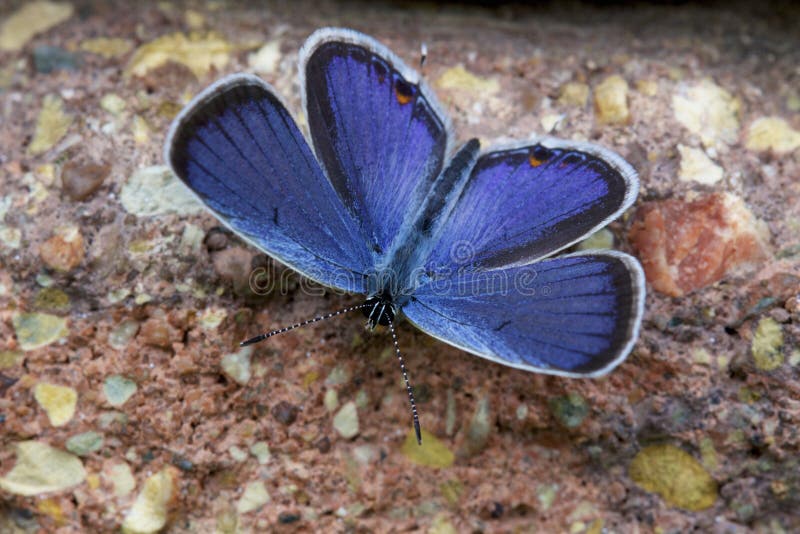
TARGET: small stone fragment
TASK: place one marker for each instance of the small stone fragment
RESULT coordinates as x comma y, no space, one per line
79,181
118,389
10,358
286,413
122,334
772,133
570,410
51,299
140,130
200,52
51,126
107,47
478,431
265,60
696,166
601,239
684,246
767,345
113,103
460,78
41,468
573,94
149,511
191,241
441,525
611,100
345,422
708,111
47,59
675,475
30,19
158,332
64,250
86,443
432,452
237,365
36,330
156,191
254,497
58,401
260,450
121,479
237,454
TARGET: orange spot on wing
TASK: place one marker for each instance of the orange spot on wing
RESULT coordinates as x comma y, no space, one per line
402,97
534,162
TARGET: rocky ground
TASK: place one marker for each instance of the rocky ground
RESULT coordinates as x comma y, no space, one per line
126,403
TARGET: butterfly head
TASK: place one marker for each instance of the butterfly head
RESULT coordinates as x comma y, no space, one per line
379,310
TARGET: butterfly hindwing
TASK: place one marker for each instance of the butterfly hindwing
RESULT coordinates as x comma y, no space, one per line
376,128
574,315
527,202
239,150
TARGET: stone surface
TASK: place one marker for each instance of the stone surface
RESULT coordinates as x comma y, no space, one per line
611,100
345,422
163,294
64,251
149,511
32,18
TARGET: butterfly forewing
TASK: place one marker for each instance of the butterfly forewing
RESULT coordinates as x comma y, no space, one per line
238,149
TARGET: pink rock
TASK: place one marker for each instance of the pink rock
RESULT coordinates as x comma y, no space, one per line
688,245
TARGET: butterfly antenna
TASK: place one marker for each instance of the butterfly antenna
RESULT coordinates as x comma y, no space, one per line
423,55
262,337
408,385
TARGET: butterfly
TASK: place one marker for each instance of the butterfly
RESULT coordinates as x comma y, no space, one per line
381,202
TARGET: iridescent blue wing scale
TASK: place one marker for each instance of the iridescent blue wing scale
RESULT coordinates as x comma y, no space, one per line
376,129
238,149
531,200
576,315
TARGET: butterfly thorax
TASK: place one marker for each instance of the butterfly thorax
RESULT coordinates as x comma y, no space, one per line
379,310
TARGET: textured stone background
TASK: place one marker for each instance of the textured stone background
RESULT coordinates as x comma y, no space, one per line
124,401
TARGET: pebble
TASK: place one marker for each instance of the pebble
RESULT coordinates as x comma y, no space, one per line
51,125
64,251
41,468
570,410
30,19
432,453
266,59
79,182
767,344
122,334
573,94
121,479
200,52
675,475
107,47
51,299
253,497
772,133
697,167
151,507
601,239
260,450
478,431
687,245
286,413
345,422
36,330
216,239
85,443
460,78
611,100
47,59
118,389
157,332
237,365
709,111
154,191
58,402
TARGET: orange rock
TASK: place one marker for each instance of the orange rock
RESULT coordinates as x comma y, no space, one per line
688,245
157,331
64,251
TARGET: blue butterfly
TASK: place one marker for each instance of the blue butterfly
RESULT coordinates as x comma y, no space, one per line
460,241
